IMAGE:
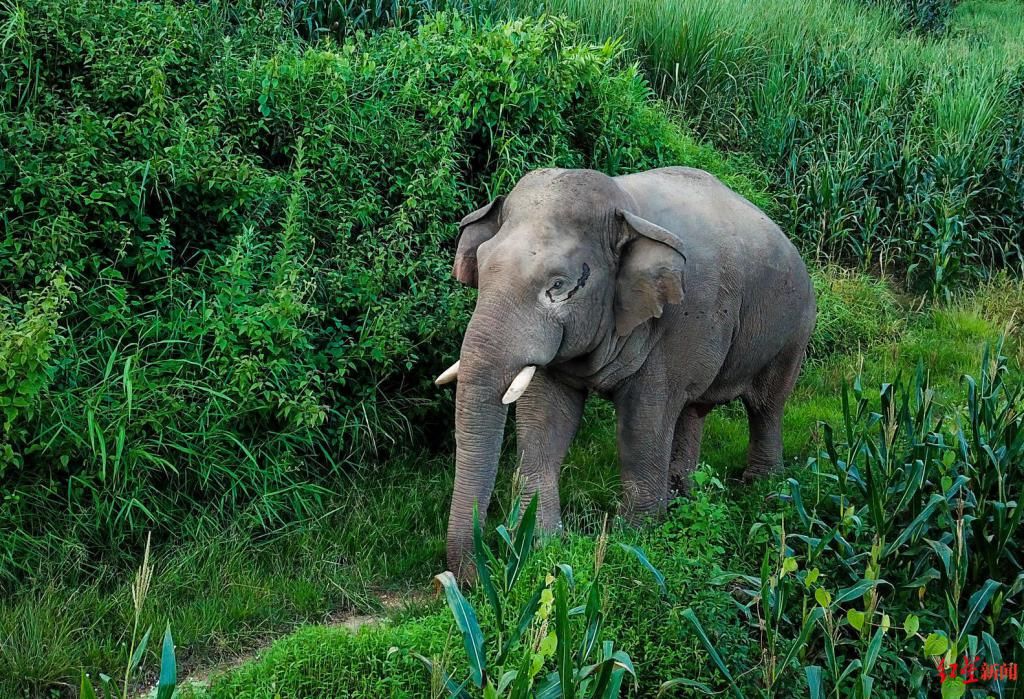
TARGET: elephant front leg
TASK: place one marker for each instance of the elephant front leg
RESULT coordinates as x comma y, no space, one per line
645,432
547,417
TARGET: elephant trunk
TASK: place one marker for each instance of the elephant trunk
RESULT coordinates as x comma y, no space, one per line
495,351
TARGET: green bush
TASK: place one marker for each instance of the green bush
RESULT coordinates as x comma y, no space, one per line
320,661
341,19
225,271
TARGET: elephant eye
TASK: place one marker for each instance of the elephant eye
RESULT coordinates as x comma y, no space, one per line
558,285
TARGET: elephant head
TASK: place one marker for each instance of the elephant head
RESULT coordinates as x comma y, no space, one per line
562,265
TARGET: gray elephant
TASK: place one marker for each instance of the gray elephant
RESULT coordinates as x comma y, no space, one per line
664,291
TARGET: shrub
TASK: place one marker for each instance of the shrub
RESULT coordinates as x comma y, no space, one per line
335,662
225,268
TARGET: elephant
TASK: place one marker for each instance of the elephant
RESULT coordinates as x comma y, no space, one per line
663,291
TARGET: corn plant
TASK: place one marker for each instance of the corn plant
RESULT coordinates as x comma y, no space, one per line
909,513
542,632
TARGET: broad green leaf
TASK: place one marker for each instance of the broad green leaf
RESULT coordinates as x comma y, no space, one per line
873,650
954,688
525,618
86,691
566,570
805,632
911,625
994,657
483,557
466,621
916,525
857,590
823,597
977,604
814,684
563,653
622,659
593,621
550,688
812,576
680,682
139,650
789,565
935,644
506,680
523,545
856,618
615,686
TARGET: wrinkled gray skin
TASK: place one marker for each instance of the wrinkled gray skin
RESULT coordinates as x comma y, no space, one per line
664,291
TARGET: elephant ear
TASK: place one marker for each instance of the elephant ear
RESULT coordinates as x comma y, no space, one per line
476,228
651,268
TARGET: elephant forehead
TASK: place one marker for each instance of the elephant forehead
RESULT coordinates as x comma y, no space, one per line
565,198
557,214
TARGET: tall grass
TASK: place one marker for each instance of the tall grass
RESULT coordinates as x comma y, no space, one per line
888,149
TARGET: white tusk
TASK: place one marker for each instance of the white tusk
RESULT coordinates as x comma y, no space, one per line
519,385
448,375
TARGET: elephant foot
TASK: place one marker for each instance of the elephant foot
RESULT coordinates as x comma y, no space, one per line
760,470
637,516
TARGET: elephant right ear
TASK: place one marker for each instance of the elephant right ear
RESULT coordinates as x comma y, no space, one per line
476,228
651,272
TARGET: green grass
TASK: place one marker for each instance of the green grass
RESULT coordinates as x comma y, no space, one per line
229,591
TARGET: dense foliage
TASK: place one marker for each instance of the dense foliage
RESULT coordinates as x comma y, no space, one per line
888,149
922,15
225,262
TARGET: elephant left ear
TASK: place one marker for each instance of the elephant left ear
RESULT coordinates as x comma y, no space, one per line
651,272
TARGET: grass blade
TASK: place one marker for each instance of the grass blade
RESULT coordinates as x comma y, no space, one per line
712,651
523,544
640,556
562,632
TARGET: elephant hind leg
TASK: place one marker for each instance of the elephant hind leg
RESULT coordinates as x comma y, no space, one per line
765,403
686,448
